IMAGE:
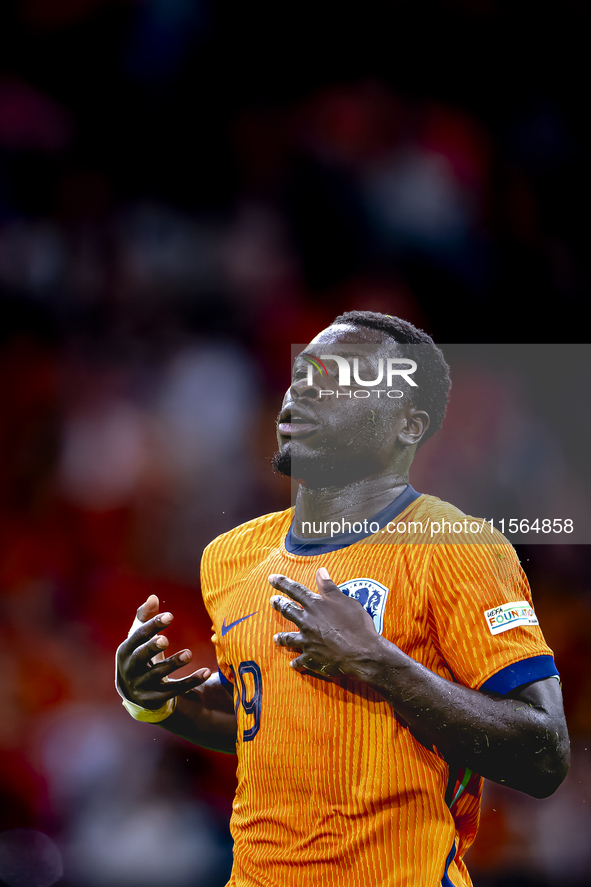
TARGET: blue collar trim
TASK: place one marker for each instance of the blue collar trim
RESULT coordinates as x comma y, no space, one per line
296,545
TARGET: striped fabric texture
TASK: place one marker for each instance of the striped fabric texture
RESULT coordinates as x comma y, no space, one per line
332,788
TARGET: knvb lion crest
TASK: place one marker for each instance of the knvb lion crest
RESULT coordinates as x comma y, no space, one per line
371,595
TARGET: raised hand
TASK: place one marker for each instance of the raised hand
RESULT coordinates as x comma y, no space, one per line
336,634
142,669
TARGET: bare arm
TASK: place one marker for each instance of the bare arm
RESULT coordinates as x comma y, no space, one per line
520,740
205,716
204,712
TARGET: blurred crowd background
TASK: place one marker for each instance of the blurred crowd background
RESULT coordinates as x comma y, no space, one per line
187,187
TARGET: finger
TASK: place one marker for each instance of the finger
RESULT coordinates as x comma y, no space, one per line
181,685
295,590
169,666
154,676
144,632
324,582
155,696
303,663
292,639
288,609
203,674
163,667
169,687
144,612
148,609
306,664
142,658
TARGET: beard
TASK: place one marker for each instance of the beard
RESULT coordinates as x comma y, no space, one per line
320,470
281,462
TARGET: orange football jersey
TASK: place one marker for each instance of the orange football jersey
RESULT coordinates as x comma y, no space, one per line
332,788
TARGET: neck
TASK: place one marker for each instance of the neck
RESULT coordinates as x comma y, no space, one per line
356,501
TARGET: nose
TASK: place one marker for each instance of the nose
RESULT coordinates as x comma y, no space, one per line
302,388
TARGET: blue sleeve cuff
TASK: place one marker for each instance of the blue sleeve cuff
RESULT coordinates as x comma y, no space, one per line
224,679
534,669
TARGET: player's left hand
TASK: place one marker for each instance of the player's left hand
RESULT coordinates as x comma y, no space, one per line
335,632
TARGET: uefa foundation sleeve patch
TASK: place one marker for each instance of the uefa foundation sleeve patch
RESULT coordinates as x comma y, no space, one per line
510,616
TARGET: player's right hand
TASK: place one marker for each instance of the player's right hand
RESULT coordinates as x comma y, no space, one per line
142,671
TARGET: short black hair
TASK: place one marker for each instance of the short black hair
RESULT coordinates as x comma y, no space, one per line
432,373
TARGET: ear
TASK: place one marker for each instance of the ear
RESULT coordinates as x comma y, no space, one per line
415,425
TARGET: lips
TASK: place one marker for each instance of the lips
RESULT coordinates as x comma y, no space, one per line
294,422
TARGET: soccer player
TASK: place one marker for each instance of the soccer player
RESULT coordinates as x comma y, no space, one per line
397,661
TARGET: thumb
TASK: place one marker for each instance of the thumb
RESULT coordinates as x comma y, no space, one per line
325,583
148,609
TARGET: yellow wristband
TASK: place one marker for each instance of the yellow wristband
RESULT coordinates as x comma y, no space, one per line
148,715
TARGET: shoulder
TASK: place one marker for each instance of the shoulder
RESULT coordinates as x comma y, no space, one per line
448,525
438,509
259,531
465,551
234,554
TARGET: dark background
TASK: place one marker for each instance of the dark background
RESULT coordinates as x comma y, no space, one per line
186,188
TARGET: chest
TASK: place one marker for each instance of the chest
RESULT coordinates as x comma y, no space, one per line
391,583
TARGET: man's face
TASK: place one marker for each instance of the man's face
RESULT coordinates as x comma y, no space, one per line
329,440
